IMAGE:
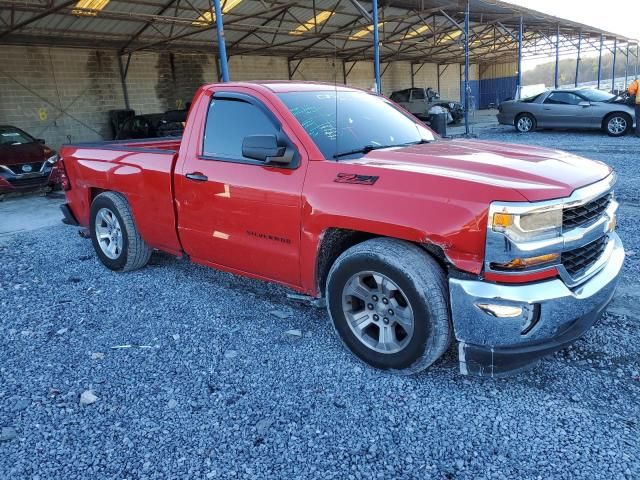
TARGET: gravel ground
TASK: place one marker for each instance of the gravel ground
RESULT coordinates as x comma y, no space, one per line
178,371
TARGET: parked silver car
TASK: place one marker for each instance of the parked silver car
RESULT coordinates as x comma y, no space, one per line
576,108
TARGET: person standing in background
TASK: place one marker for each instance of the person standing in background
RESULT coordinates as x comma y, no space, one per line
633,92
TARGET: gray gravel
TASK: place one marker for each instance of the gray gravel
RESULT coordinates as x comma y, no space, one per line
178,371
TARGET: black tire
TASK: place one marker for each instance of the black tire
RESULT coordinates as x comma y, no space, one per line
135,253
423,283
525,123
618,119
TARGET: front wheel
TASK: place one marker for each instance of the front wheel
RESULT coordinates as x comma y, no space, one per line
525,123
617,124
388,301
114,234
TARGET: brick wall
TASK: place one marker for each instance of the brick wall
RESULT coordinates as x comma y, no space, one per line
63,94
57,94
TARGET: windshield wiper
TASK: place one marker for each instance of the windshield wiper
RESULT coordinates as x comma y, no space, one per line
369,148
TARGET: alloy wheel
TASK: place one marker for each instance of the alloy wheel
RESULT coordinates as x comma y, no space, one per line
109,233
525,124
617,125
378,312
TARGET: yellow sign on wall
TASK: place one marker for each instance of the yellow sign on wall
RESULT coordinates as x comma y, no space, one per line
43,114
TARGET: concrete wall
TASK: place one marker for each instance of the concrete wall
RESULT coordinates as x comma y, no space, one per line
59,93
64,94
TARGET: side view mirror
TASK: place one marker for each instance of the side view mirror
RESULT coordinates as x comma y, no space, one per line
41,140
266,148
585,104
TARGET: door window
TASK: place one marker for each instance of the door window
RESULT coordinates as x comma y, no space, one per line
401,96
417,94
228,122
563,98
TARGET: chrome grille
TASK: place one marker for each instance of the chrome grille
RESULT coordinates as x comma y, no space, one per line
578,260
581,215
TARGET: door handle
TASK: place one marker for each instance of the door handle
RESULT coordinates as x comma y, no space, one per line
197,177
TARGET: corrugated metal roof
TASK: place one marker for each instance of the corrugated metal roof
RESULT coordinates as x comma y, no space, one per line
263,27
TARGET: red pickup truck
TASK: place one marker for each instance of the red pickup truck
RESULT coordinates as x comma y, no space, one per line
415,241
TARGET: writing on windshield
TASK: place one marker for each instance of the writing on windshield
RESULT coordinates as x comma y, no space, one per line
352,122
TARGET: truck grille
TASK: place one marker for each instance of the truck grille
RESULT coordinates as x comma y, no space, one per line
578,260
581,215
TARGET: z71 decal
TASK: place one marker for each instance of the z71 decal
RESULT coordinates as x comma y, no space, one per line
356,179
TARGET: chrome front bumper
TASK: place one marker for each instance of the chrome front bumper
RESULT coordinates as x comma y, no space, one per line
553,316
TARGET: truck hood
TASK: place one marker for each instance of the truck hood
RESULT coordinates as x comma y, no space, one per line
536,173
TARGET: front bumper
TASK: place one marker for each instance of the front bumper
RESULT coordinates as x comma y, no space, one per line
504,119
10,182
553,316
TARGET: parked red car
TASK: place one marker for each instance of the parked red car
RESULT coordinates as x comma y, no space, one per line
25,162
414,241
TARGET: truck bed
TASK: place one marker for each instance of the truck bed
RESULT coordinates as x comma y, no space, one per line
170,144
141,170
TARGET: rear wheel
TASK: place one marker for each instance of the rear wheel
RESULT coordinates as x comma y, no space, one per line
114,234
617,124
388,301
525,123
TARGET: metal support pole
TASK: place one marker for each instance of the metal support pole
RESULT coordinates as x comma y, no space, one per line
376,46
520,39
600,60
413,80
123,80
466,69
222,47
557,73
578,59
626,67
613,73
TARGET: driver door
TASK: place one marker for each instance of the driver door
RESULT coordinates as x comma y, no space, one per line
235,212
563,110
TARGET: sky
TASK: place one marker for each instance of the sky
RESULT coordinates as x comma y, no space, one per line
623,19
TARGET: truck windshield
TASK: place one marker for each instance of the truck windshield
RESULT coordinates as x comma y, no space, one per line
351,123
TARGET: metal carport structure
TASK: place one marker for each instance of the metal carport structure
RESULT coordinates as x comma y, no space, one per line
416,31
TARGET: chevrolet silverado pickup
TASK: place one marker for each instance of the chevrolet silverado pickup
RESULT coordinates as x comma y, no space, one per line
414,241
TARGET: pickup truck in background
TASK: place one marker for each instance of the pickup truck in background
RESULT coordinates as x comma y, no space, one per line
415,241
420,101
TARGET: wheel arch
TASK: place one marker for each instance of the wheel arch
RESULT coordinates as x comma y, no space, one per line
335,241
522,113
616,112
94,192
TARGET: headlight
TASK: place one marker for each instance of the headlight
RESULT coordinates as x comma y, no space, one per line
452,105
528,226
53,159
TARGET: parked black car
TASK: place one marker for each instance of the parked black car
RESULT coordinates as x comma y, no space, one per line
152,125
